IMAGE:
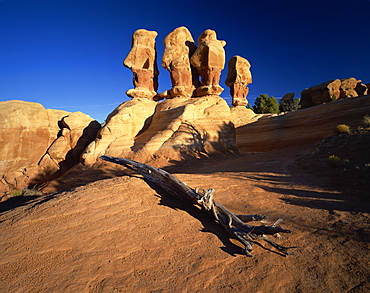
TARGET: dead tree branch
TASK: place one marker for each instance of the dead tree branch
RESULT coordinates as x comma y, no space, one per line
234,224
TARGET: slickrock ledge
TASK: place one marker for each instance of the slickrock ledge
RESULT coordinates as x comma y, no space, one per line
36,142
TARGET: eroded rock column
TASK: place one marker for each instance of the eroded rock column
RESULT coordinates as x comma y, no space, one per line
142,61
238,77
179,47
209,60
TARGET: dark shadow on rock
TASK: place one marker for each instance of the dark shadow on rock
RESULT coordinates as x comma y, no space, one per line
199,148
209,224
72,157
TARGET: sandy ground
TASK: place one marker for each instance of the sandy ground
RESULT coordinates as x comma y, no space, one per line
121,235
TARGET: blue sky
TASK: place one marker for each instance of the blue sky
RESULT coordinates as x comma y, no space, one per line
68,54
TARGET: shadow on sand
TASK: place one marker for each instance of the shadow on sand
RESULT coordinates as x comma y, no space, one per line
208,222
209,225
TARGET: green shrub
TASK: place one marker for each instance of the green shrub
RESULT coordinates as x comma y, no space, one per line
333,161
265,104
342,128
15,193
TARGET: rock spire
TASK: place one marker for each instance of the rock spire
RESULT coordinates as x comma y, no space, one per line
238,77
179,47
209,60
142,61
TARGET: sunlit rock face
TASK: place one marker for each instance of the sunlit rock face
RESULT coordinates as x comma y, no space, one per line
179,47
36,142
238,78
193,121
142,61
122,126
172,130
351,87
185,128
209,60
320,94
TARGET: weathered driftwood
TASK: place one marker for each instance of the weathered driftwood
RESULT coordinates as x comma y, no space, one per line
234,224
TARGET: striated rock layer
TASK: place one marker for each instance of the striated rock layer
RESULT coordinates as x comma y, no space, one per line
118,135
185,128
174,130
36,143
266,132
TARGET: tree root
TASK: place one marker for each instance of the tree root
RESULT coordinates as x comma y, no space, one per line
235,225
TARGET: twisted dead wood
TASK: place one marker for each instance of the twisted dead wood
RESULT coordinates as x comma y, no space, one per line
234,224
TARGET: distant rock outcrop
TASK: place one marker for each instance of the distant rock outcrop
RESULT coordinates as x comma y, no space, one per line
347,87
36,143
287,98
332,90
320,94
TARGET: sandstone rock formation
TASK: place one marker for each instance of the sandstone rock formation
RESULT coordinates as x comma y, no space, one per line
332,90
362,89
179,47
176,128
172,130
36,142
266,132
209,59
288,97
142,61
117,137
238,77
184,128
241,116
347,87
367,88
322,93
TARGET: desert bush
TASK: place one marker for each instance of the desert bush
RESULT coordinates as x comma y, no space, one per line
15,193
32,192
26,192
342,128
366,120
265,104
333,161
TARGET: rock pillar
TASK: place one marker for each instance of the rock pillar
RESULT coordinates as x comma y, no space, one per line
142,61
238,77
